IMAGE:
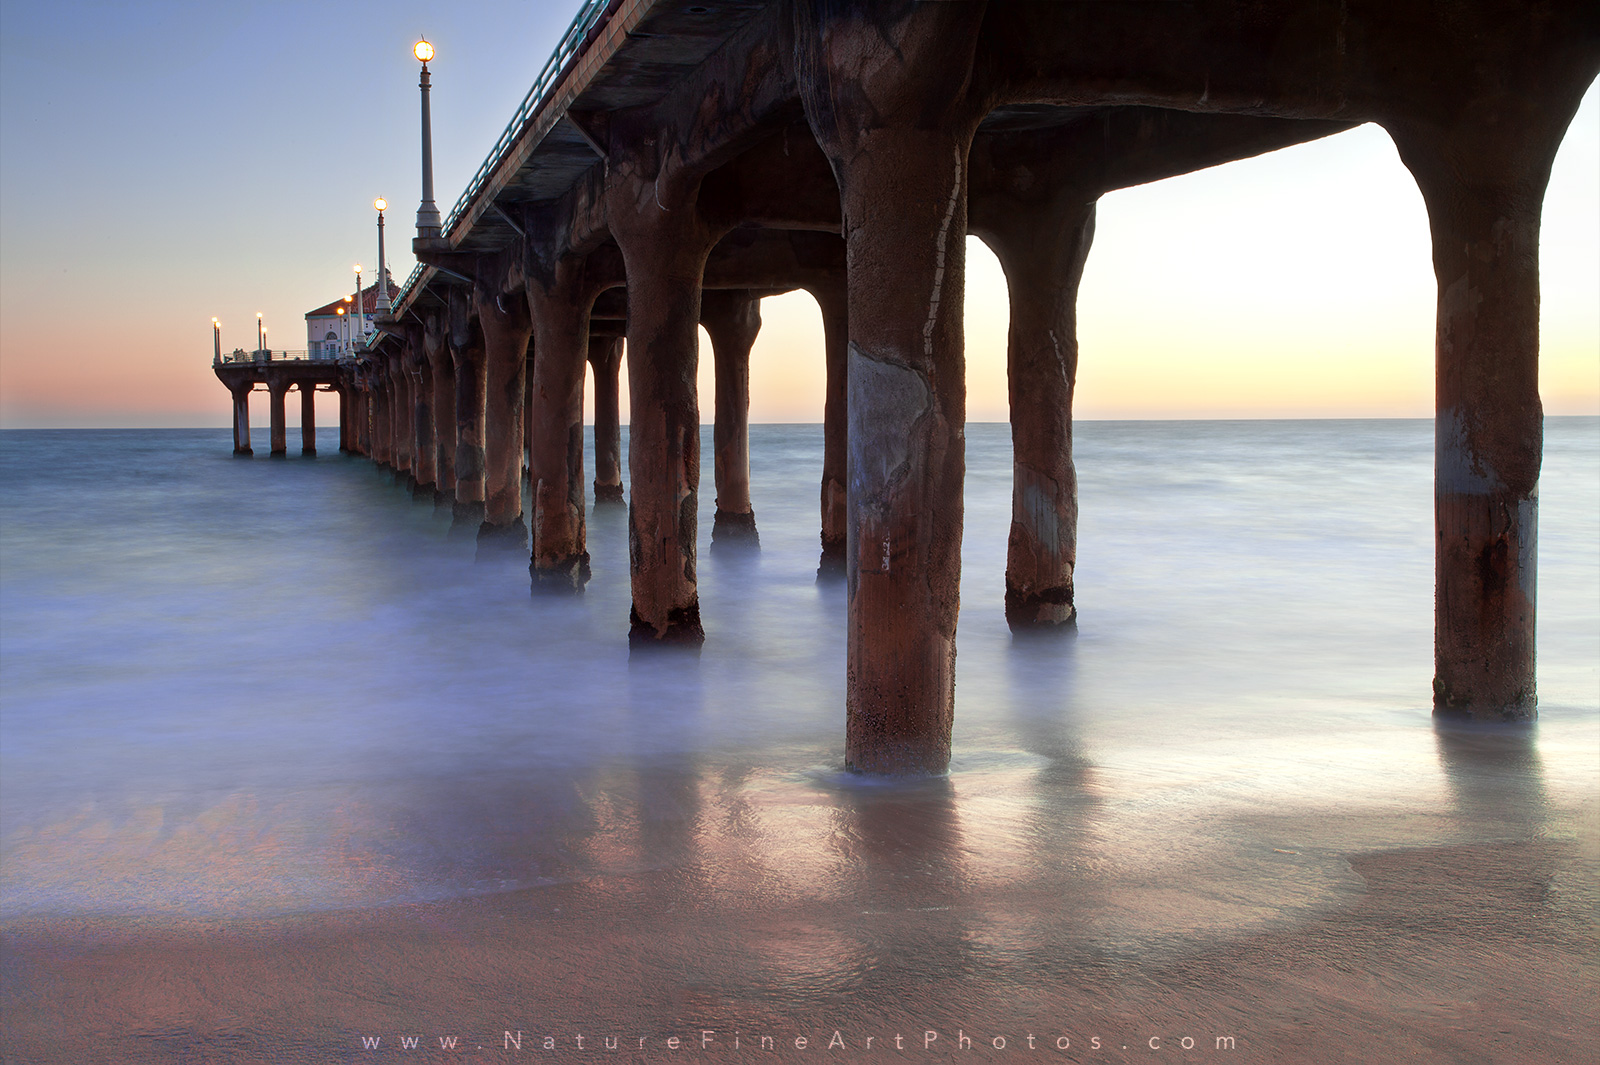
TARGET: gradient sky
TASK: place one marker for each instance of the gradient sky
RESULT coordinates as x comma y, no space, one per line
166,162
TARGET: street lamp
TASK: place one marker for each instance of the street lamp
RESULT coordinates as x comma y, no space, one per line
216,336
360,310
261,333
383,275
428,224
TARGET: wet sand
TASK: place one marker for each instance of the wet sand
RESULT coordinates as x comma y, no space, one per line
1466,953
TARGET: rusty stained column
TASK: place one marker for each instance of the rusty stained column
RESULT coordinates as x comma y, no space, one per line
364,415
441,372
308,418
424,455
527,416
833,300
732,318
398,415
507,330
378,398
605,360
664,250
277,387
1483,179
361,412
402,416
241,418
560,302
886,97
1042,246
466,349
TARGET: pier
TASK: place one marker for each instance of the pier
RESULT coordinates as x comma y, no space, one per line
677,161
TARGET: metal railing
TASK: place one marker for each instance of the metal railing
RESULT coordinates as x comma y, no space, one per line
238,356
588,16
405,289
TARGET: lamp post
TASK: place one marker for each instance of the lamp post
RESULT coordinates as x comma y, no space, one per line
383,275
261,333
360,310
343,332
216,337
428,223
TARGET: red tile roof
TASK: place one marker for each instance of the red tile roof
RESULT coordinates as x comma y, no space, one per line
369,301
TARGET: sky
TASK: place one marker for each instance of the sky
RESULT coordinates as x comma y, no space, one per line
169,162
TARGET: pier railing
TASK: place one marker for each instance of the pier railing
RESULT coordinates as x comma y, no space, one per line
590,14
265,355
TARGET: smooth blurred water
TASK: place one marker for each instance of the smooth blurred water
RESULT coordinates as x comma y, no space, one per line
241,687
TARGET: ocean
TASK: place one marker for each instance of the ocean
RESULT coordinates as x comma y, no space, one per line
238,690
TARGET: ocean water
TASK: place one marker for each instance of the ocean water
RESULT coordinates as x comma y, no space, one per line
241,688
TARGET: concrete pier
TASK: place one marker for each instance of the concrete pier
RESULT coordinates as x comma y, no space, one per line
441,372
467,351
900,153
504,321
241,419
848,149
664,250
605,361
277,390
425,449
560,300
833,300
308,419
732,319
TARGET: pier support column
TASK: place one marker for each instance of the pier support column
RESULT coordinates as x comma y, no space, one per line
362,412
382,434
466,349
507,329
664,250
424,454
1483,182
404,415
364,416
241,419
342,390
527,415
276,390
308,419
605,359
1042,246
441,372
560,305
732,318
833,300
887,101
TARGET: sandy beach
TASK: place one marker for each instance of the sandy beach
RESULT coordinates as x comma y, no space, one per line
1465,953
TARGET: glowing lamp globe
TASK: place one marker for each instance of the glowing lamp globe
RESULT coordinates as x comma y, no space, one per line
423,51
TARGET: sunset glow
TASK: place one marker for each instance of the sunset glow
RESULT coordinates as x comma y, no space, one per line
1297,284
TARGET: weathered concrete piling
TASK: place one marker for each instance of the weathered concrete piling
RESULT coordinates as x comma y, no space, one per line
561,299
605,362
688,160
732,319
